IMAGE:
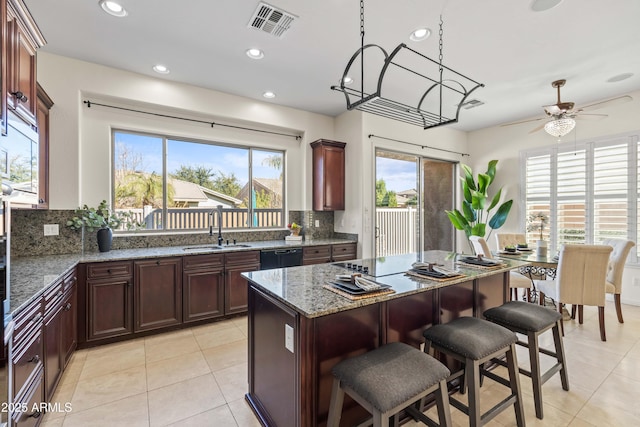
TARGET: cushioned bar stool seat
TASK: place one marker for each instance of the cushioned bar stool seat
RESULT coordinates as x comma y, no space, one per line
532,320
387,380
473,342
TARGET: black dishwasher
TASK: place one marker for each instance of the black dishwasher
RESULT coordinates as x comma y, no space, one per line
279,258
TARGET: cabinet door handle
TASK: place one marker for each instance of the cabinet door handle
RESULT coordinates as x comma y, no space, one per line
20,96
34,359
67,307
35,414
157,262
36,318
109,270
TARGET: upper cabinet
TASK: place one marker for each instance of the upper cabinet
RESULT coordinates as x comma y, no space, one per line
328,175
22,38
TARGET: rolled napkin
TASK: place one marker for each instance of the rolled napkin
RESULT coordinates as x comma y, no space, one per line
366,285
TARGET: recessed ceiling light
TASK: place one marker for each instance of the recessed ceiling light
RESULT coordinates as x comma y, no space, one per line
113,8
542,5
268,94
347,80
619,77
159,68
419,34
255,53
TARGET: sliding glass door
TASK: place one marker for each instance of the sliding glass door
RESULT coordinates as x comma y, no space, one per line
412,194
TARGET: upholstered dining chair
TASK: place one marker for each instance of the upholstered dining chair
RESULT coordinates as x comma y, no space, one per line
580,280
509,239
621,249
516,280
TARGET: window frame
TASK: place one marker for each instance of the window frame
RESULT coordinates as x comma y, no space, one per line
165,137
590,146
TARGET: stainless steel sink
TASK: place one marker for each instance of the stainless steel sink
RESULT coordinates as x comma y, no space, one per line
203,248
237,245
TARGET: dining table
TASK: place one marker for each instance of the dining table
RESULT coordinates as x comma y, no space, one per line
539,267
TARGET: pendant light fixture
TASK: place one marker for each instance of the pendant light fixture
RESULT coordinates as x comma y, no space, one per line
405,85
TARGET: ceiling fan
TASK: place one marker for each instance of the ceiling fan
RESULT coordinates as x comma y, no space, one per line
563,114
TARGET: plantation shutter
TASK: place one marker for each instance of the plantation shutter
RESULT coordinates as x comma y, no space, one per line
571,200
610,192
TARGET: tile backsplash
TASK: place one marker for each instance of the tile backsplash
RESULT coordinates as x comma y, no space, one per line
28,239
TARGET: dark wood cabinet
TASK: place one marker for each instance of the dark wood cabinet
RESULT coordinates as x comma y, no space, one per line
316,255
44,104
53,357
22,39
109,300
203,287
158,293
328,175
344,252
236,286
69,322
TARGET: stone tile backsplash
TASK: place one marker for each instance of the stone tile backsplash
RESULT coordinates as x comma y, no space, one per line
28,239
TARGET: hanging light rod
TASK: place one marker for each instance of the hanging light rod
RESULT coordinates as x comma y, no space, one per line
418,145
427,101
89,104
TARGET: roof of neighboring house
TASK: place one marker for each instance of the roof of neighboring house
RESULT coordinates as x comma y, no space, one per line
185,191
408,193
271,184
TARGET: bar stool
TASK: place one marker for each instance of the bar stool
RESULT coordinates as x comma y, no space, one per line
473,342
532,320
387,380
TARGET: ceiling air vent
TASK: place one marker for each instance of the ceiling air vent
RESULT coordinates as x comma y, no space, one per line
271,20
472,103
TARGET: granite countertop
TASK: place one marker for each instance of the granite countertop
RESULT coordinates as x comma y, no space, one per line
300,288
30,276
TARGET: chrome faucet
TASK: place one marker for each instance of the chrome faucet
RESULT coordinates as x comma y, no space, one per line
219,209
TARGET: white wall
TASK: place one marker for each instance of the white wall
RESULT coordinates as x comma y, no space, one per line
80,136
506,143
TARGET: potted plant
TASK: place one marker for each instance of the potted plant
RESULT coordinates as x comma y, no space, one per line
294,228
477,204
536,222
104,220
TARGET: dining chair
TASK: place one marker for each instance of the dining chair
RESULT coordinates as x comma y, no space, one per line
580,280
613,285
516,280
509,239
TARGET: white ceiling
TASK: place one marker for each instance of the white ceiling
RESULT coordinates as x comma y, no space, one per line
514,51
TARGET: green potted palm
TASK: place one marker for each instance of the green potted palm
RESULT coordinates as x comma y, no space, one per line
477,210
103,219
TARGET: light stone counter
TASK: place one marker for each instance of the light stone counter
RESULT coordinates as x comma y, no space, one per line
30,276
301,288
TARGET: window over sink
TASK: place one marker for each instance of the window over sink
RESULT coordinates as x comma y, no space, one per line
176,184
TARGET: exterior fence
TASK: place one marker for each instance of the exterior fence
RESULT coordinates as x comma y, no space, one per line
396,230
202,218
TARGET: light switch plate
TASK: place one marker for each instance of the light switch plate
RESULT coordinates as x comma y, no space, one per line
51,229
288,337
317,223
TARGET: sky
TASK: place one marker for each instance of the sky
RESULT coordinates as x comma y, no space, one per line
399,175
215,157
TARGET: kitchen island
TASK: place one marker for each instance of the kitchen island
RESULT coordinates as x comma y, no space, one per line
298,330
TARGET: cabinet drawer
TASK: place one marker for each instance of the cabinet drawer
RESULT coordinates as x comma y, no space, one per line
109,269
317,252
27,320
26,360
194,262
69,281
31,414
52,296
344,251
250,257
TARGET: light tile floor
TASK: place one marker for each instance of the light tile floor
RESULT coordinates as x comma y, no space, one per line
198,377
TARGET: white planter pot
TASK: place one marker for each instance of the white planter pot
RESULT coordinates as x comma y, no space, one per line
541,248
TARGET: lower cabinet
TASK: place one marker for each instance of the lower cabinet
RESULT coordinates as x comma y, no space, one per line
53,357
202,287
316,255
236,288
158,293
109,299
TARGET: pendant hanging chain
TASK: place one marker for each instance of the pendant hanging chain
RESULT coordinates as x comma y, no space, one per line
440,44
361,49
362,23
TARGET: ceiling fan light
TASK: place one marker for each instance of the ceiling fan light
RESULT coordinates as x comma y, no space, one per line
560,127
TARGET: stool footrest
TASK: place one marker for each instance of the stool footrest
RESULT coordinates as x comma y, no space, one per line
417,415
496,378
491,413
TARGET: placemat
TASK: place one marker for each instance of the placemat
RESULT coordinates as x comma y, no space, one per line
435,279
481,267
358,297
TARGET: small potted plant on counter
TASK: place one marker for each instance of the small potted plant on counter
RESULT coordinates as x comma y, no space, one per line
104,220
294,228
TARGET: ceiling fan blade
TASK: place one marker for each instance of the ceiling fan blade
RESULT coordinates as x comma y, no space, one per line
583,116
607,103
537,128
523,121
